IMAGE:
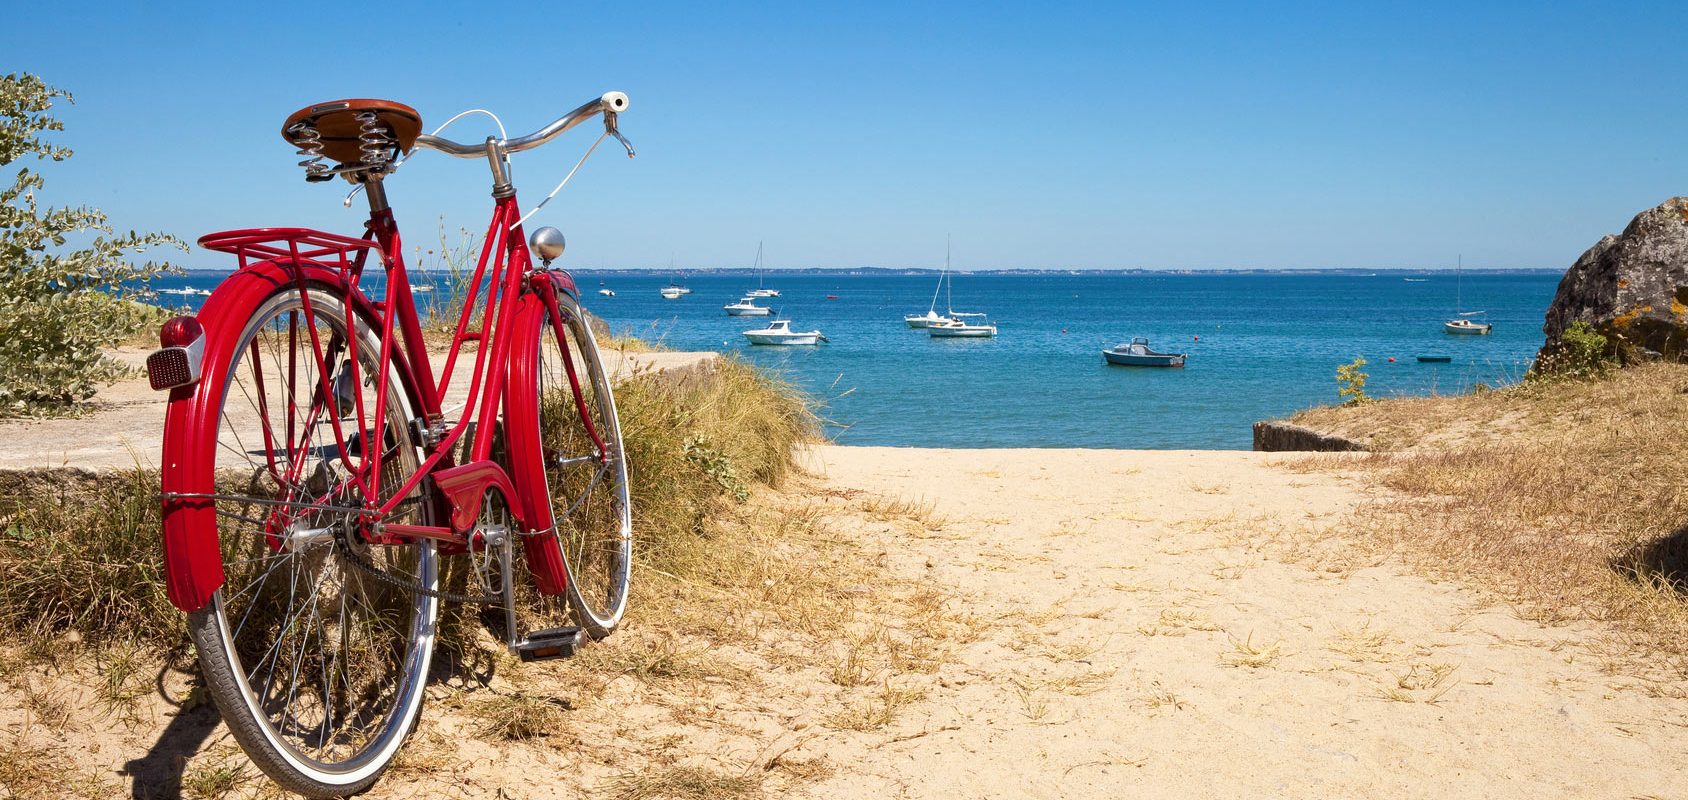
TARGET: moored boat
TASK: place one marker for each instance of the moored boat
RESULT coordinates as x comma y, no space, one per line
1463,325
957,327
1136,353
746,307
779,332
760,290
1468,327
926,320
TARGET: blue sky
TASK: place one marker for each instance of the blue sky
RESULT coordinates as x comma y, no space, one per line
1040,135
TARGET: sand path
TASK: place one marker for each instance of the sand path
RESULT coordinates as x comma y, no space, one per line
1147,641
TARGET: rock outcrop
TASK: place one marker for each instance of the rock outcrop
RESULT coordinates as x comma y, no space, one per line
1278,436
1632,288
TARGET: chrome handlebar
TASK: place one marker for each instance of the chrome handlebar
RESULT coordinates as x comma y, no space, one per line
609,105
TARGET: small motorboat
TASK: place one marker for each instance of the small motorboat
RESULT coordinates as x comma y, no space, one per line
957,327
1435,359
606,292
779,332
1136,353
746,307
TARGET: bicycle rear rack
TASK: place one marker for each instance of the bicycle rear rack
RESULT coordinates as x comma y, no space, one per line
301,245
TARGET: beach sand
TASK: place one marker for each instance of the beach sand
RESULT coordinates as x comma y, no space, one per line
1175,624
1120,624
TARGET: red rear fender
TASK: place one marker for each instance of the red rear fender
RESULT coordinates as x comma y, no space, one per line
193,566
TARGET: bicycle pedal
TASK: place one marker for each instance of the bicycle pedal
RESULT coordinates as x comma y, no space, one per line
544,645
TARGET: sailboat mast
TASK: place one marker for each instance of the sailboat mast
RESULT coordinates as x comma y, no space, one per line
758,265
1459,284
949,302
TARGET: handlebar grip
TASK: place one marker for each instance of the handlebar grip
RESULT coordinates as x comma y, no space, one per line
614,102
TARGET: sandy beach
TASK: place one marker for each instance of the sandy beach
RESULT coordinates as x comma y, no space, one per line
1178,624
1077,623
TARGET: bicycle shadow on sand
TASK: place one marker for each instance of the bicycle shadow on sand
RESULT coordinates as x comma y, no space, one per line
158,774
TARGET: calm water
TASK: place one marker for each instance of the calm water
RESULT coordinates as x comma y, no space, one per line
1268,345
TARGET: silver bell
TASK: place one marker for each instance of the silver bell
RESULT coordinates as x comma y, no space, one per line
547,243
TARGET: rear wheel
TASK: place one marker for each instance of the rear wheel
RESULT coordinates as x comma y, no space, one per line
585,468
316,648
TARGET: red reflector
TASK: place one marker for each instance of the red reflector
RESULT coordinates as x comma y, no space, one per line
180,332
169,368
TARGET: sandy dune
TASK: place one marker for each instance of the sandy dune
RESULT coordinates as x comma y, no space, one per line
1168,626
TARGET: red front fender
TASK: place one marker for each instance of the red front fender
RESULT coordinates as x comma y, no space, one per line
193,564
521,418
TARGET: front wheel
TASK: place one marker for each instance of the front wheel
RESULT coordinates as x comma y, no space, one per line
316,648
583,463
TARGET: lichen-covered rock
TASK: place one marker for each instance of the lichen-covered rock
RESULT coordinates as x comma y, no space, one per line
1632,288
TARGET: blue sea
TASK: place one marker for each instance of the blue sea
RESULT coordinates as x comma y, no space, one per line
1260,346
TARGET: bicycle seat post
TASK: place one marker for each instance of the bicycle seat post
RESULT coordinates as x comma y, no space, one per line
376,191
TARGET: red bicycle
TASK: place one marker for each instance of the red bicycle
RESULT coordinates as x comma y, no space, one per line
313,482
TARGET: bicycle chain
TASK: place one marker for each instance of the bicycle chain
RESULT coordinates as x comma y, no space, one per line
351,556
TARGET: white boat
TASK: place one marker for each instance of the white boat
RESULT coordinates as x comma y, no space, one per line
421,287
671,292
779,332
959,324
606,292
1468,327
926,320
1463,324
746,307
932,317
760,290
959,327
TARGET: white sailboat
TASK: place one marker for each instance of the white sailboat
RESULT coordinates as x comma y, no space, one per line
932,317
1463,323
760,290
673,291
960,324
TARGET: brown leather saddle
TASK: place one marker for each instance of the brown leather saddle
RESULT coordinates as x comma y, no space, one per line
341,130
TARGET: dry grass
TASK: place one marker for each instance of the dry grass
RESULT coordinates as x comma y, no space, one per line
1245,653
80,554
877,710
683,783
519,716
1564,498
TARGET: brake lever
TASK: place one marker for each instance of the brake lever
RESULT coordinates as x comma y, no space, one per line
613,129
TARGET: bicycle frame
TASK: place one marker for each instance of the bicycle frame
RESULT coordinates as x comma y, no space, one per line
519,298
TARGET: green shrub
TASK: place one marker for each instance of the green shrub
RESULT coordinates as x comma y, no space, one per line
1581,352
60,308
1351,382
